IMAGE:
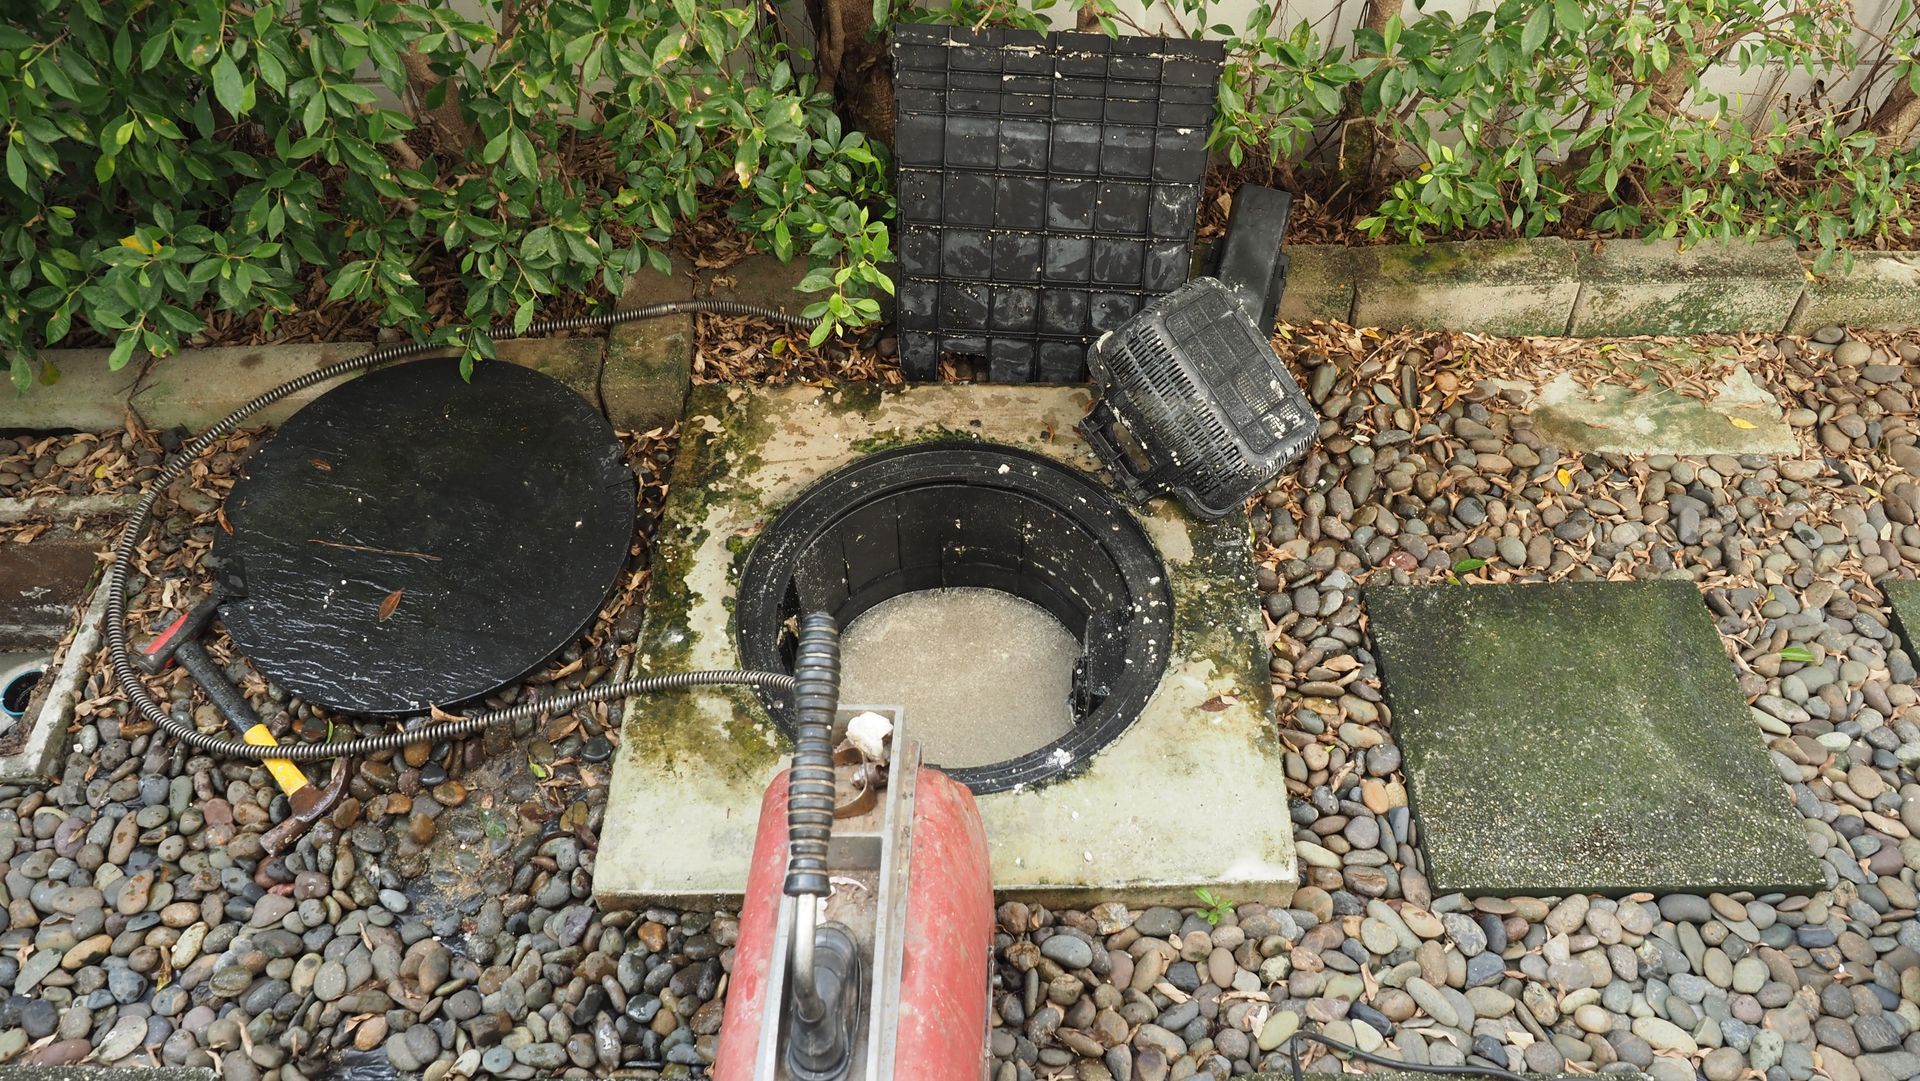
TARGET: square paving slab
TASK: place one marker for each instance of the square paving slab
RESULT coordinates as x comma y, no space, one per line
1191,794
1903,598
1581,738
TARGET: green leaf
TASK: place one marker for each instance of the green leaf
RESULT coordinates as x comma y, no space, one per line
228,86
520,150
1539,25
1468,566
17,167
1797,654
123,349
1570,15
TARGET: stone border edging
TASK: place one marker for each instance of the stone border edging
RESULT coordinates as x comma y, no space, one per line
1550,287
47,735
1618,288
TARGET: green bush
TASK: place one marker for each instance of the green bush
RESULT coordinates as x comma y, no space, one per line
1593,114
179,155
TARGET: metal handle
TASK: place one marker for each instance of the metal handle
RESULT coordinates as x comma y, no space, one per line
1097,429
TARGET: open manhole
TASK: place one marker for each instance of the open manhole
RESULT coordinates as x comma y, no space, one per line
19,675
1009,599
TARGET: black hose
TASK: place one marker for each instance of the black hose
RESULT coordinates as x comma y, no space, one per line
816,697
142,699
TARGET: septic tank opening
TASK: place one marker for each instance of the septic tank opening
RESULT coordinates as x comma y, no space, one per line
970,520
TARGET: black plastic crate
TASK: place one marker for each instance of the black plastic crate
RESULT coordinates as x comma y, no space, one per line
1195,403
1047,184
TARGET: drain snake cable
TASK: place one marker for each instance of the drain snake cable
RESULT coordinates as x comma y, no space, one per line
141,699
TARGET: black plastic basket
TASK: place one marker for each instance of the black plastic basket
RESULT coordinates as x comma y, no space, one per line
1047,184
1195,403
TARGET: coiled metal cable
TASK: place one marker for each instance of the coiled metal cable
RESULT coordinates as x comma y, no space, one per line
810,797
142,699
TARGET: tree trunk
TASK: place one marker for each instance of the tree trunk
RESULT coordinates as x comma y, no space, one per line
852,65
1893,124
449,127
1359,134
1667,92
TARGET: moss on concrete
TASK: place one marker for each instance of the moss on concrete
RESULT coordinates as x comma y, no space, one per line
1742,418
720,441
649,364
1320,283
1509,287
1879,290
696,764
1581,737
1628,287
1903,600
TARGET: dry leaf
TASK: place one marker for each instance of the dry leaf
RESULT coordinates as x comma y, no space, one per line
439,714
1742,422
321,464
220,514
387,606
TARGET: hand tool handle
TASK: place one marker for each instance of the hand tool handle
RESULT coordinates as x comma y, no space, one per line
237,710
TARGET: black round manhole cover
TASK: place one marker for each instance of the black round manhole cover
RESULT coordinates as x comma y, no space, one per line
411,539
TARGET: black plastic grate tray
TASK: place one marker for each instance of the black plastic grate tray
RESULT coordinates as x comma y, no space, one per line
1047,188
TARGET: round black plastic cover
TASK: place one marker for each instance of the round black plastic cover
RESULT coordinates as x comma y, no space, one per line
962,514
409,539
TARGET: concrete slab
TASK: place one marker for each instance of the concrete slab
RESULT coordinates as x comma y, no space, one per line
1320,284
1654,287
759,279
1581,738
199,386
1507,287
1741,418
1903,600
1190,795
86,395
650,363
1881,290
39,585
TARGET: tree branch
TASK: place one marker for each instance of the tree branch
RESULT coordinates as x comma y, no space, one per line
446,122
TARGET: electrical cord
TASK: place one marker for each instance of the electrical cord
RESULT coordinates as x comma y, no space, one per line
142,700
1293,1055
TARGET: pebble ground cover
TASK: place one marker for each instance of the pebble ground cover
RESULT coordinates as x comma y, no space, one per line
443,916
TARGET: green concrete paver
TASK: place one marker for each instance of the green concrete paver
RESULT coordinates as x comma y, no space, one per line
1903,598
1320,283
1509,287
1610,418
1879,290
1581,738
1655,287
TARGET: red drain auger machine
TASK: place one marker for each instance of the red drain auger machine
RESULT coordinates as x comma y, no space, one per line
867,927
